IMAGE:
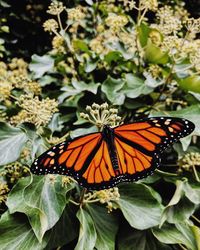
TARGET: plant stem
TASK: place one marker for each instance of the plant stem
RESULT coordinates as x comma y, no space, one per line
82,196
59,21
142,16
195,218
182,247
195,173
165,173
73,202
92,201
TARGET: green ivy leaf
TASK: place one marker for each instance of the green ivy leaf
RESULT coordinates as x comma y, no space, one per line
65,230
180,211
176,234
106,227
46,80
68,91
196,232
190,83
130,239
77,88
72,101
90,65
140,205
151,82
134,86
117,46
111,87
154,54
83,131
12,140
87,234
180,208
90,2
38,147
113,56
143,32
80,44
82,86
192,192
56,123
17,234
41,64
181,70
43,201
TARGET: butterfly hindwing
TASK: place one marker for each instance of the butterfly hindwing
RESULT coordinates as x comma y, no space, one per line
100,173
133,162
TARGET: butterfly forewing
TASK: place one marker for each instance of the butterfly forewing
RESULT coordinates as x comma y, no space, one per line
154,134
68,157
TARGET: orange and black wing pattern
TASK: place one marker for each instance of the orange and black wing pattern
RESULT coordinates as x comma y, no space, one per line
139,145
126,153
86,159
68,157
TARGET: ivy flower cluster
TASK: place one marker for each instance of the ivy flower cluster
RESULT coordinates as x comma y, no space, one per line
149,5
68,66
112,32
101,115
14,75
5,90
51,25
189,163
58,44
116,22
106,196
193,27
168,21
128,4
76,14
55,8
13,172
155,70
38,112
66,180
4,190
3,116
97,45
177,35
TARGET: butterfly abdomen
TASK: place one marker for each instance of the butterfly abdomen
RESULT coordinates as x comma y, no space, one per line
108,136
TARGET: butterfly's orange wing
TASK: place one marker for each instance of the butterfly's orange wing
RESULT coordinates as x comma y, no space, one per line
68,156
86,159
139,145
100,173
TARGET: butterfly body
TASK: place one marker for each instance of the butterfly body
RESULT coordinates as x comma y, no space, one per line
108,137
122,154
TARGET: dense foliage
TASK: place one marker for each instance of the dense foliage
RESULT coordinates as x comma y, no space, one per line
130,59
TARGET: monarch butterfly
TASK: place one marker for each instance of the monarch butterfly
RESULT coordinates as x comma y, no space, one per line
122,154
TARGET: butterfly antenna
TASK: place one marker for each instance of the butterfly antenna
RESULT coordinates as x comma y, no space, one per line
83,192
